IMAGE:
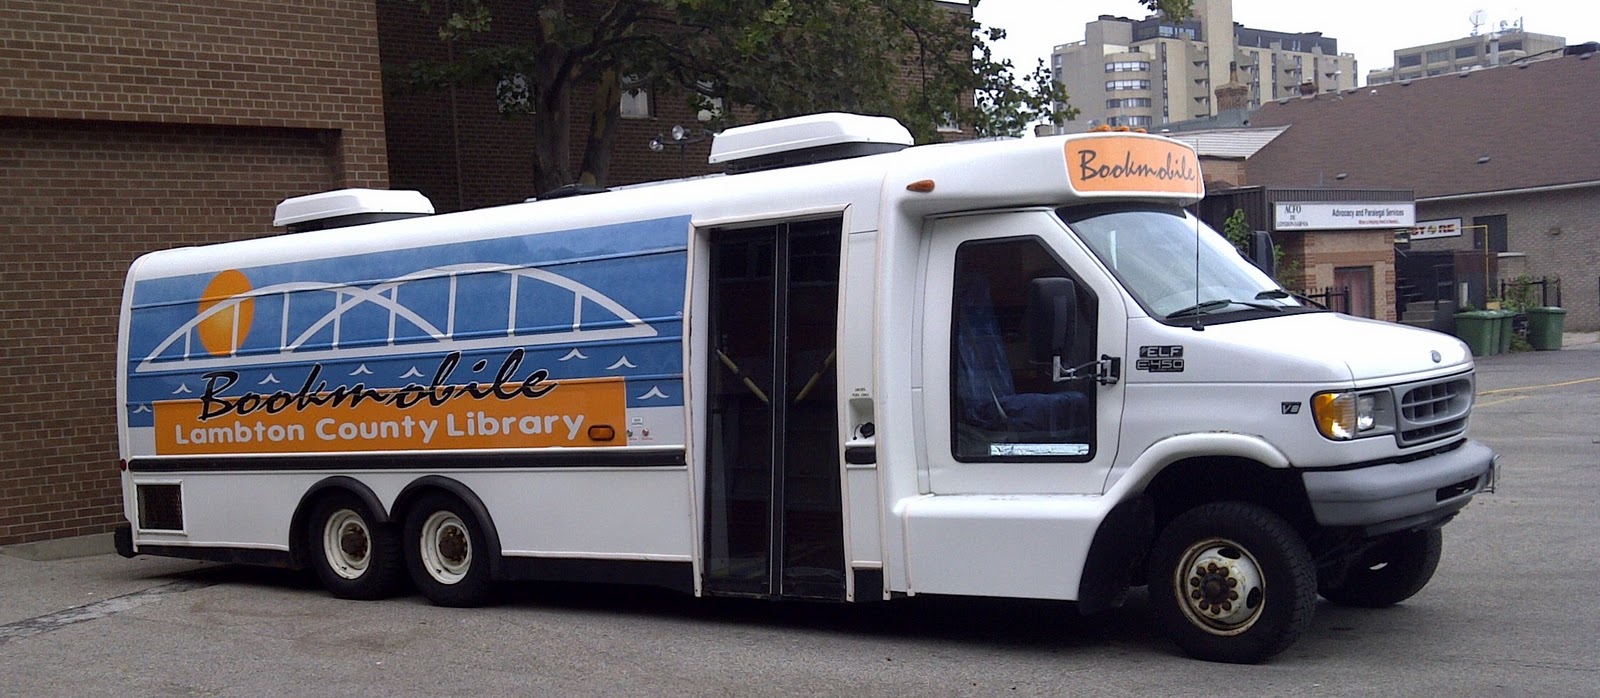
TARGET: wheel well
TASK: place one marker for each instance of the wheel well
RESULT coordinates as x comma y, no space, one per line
1191,482
327,487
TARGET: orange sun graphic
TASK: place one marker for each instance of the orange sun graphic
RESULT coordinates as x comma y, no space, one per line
223,332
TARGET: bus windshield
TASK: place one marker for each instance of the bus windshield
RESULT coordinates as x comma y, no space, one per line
1175,266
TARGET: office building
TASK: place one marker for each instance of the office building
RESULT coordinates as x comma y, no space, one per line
1509,45
1144,73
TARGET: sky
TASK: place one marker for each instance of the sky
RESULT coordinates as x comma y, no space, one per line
1370,29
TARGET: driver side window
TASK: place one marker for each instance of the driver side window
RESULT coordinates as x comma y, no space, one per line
1005,404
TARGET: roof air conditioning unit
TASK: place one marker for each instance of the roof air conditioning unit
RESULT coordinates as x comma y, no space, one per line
346,207
804,140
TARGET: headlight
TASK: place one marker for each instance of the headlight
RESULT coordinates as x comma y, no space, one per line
1342,416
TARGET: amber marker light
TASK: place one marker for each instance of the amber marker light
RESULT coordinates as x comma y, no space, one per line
602,432
1335,414
921,186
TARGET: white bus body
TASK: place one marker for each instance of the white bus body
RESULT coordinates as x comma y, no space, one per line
1010,368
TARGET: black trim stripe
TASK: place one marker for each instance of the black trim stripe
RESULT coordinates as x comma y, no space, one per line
441,461
678,576
241,556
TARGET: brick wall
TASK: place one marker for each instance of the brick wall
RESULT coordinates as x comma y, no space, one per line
1554,234
291,63
127,127
1320,253
1223,173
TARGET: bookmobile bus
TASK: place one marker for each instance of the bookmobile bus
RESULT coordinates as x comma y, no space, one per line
847,370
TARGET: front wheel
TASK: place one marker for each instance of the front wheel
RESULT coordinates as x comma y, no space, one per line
1232,582
1394,569
446,553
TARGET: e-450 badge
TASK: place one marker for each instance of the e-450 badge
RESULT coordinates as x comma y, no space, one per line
1160,359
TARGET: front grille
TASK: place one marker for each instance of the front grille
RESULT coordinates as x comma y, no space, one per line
1434,410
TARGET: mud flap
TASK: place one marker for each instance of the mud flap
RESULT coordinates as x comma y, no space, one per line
1116,556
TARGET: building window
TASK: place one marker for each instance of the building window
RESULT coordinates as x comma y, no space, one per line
1439,56
1408,60
1129,121
1128,66
1511,46
1466,51
635,98
1112,85
1128,102
1172,32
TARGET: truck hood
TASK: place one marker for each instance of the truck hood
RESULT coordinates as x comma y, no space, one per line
1372,350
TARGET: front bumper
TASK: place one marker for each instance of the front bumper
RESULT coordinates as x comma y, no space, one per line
1401,496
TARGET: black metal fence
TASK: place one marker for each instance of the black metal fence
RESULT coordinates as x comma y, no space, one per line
1519,291
1336,299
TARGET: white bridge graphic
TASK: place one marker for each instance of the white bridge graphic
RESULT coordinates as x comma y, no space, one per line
179,351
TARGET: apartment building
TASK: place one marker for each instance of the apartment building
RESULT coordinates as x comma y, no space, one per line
1509,45
1148,72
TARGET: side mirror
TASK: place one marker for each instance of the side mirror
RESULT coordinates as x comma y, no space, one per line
1261,252
1052,312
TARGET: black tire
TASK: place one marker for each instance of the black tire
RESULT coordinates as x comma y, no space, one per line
1232,582
446,553
1394,569
355,556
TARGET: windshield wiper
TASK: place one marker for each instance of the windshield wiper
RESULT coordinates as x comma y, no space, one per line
1280,294
1200,308
1218,304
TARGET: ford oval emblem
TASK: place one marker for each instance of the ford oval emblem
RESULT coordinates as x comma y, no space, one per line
1436,356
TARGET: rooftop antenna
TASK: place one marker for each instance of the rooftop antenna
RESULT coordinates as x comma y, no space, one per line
1477,18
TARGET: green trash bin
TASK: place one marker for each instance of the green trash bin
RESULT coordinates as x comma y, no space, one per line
1476,328
1503,321
1545,326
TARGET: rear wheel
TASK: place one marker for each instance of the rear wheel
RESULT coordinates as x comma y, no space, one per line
1232,582
1394,569
446,553
355,556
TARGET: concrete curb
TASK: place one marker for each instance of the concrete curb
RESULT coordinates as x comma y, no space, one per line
1571,340
61,548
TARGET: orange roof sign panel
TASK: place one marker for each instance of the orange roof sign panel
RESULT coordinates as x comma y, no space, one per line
1132,164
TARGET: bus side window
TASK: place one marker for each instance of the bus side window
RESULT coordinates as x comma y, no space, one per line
1004,404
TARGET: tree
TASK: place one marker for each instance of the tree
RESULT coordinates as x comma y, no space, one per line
1237,230
911,59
